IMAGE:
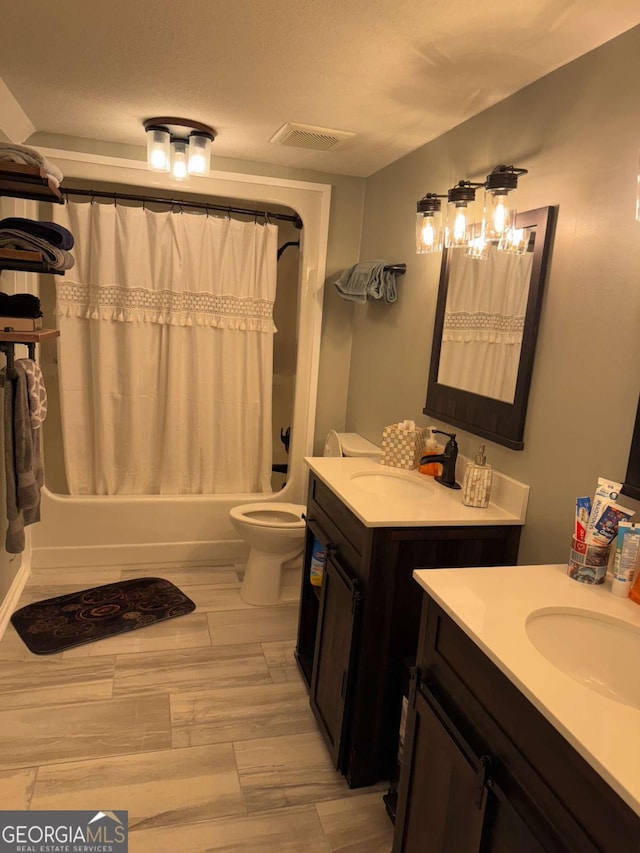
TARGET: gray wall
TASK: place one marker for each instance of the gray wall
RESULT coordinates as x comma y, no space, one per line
578,132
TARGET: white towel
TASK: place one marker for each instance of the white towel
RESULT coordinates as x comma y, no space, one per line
30,157
36,392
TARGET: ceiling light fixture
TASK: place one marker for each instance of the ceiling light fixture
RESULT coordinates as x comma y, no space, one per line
463,227
179,146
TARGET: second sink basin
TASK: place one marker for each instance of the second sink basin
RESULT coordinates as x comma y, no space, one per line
597,650
393,484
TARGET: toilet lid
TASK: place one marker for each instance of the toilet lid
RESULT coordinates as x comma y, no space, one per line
332,446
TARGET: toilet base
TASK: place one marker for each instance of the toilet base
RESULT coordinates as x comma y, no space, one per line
262,584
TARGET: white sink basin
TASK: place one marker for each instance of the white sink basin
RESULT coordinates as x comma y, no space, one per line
393,484
597,650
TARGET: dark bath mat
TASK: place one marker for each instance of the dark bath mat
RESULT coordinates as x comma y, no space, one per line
56,624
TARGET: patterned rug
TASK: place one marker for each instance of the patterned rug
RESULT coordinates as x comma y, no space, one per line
82,617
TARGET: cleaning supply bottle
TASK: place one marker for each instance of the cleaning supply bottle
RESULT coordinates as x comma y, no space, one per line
476,486
431,448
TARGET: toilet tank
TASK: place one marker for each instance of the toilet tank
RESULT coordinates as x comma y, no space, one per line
349,444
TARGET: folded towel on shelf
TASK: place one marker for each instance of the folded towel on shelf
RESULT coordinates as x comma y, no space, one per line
58,259
30,157
23,463
19,305
57,235
36,391
368,279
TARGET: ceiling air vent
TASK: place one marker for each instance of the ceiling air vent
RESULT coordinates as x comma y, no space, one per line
308,136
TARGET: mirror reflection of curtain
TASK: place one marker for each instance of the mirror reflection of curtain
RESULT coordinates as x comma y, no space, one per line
483,324
166,352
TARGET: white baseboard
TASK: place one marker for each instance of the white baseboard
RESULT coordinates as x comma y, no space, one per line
232,550
10,601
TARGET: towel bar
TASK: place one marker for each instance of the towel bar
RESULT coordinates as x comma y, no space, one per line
398,269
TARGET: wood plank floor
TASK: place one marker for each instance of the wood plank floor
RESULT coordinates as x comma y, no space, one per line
199,727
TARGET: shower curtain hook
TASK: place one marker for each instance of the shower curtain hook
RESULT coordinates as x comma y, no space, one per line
229,213
267,221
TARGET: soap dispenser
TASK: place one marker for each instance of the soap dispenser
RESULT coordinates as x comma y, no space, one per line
431,448
476,486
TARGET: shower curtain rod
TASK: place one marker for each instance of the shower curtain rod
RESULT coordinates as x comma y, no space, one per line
199,205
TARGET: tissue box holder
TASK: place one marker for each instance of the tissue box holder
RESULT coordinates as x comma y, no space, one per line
402,448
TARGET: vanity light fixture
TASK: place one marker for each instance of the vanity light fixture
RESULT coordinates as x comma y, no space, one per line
429,234
464,228
178,145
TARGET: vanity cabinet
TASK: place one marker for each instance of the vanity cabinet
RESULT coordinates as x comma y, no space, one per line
357,630
483,770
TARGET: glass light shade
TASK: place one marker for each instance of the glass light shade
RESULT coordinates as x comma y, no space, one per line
499,214
158,150
459,220
199,154
179,157
428,232
478,246
514,241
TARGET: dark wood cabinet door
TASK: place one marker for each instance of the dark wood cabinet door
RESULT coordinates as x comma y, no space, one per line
505,830
334,659
443,793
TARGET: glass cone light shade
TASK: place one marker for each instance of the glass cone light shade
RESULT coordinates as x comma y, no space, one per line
179,159
199,154
158,149
428,225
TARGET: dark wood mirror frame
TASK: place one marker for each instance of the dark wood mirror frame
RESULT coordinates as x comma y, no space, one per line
631,485
493,419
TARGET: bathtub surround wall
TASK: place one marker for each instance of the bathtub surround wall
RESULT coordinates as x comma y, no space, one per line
577,131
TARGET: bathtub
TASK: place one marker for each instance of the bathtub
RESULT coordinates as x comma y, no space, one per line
126,530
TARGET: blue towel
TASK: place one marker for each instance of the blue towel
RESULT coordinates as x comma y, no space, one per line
368,280
53,233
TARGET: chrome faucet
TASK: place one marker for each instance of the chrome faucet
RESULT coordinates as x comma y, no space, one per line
447,459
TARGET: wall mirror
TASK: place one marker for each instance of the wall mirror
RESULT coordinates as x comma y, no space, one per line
484,337
631,486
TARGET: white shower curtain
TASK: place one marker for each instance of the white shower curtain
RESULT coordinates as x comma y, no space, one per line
166,350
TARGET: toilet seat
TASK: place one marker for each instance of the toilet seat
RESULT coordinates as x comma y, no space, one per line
270,514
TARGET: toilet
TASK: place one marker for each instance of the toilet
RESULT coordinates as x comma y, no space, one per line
349,444
274,531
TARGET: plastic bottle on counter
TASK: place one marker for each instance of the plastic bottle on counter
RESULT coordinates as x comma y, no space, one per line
431,448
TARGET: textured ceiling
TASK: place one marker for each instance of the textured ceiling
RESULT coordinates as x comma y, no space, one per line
396,73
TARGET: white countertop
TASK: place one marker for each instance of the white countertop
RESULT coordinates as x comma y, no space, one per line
491,605
427,504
